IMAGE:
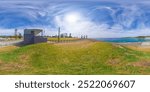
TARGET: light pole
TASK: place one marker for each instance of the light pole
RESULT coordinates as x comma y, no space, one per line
59,34
16,33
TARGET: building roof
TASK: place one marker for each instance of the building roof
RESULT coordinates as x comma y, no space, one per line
29,31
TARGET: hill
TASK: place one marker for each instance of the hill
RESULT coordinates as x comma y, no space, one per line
82,57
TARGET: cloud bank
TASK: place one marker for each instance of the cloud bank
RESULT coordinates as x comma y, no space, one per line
96,18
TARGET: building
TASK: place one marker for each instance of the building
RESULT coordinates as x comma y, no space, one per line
64,35
31,36
70,36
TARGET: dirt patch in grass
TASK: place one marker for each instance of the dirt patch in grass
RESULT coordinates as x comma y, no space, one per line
141,64
15,66
7,48
1,62
24,58
113,62
139,48
12,66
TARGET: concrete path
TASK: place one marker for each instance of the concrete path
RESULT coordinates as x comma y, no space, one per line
9,43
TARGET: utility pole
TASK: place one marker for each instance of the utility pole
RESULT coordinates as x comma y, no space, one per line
59,34
15,33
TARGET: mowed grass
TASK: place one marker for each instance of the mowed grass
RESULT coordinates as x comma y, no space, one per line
81,57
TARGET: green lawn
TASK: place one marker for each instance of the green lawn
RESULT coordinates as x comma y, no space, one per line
83,57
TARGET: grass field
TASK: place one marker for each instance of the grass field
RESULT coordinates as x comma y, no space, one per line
81,57
63,39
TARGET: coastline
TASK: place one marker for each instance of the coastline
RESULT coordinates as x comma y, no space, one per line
124,41
138,46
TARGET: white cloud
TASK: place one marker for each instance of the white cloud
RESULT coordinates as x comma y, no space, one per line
84,26
8,32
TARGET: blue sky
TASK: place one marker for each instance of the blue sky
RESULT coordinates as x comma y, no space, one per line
95,18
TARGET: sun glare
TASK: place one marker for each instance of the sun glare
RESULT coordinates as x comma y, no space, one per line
72,17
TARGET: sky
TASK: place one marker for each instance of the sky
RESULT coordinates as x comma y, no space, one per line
95,18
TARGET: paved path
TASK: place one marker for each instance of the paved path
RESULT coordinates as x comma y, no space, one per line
9,43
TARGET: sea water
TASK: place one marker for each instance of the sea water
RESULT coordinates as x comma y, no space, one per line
122,40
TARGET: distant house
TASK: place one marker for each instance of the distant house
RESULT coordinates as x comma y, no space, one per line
31,36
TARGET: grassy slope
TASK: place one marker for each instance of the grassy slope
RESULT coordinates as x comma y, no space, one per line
84,57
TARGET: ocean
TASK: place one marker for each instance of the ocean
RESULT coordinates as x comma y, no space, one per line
122,40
